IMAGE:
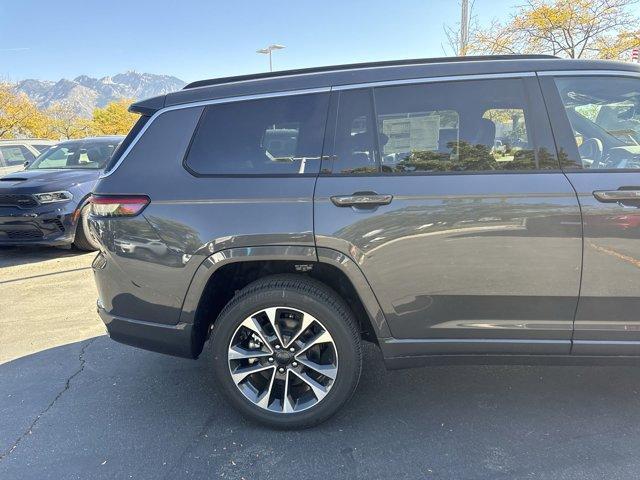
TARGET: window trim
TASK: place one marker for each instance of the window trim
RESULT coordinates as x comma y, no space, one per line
448,78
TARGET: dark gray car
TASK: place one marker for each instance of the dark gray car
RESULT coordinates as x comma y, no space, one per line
448,210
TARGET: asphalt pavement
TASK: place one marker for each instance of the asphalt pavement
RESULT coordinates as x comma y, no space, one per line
76,405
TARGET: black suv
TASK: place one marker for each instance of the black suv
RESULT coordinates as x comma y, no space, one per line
447,210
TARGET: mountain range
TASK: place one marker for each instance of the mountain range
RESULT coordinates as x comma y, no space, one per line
85,93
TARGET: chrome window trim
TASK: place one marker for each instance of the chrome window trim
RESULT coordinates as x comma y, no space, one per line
205,103
448,78
588,73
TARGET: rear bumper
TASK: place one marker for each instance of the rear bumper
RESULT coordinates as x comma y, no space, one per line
170,339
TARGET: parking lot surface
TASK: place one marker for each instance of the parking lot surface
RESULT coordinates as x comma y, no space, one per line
74,404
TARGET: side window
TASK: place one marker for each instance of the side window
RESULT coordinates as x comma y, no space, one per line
354,147
477,125
16,155
604,113
280,135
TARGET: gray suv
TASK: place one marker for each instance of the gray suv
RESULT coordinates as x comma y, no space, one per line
448,210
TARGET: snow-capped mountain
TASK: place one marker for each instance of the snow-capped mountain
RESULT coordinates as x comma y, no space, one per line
84,93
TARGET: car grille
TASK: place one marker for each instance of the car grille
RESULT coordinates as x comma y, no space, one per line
23,234
57,223
16,200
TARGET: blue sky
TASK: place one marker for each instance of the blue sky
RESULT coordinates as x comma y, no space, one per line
194,39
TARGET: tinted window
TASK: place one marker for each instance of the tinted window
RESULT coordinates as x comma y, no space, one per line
604,113
457,126
281,135
84,154
354,148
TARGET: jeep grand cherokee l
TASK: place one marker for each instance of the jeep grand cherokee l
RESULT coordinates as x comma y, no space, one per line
447,210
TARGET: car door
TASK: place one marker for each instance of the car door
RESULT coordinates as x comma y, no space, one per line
448,196
596,121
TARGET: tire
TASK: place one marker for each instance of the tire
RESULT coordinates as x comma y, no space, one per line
296,298
83,239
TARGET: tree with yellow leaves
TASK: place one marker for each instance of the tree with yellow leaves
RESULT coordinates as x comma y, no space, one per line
567,28
113,119
63,123
18,115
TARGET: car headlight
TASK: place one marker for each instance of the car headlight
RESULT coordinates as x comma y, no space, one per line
53,197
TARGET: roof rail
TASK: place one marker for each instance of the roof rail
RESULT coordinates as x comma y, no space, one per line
354,66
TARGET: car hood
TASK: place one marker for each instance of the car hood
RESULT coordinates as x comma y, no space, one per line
37,181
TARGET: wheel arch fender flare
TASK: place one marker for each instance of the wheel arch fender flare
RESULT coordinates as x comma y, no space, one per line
76,212
305,254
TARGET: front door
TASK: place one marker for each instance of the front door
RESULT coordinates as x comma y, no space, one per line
449,197
597,124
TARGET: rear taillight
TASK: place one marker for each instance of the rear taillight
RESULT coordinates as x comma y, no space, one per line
118,206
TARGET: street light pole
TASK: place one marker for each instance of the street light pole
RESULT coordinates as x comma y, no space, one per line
268,50
464,28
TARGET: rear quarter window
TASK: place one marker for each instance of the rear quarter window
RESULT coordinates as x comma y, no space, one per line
271,136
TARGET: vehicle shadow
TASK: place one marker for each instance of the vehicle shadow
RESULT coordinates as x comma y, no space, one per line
97,409
14,256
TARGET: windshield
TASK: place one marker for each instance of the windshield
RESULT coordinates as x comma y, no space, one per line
84,154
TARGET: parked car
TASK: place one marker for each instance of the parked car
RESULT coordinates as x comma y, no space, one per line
384,217
47,204
14,154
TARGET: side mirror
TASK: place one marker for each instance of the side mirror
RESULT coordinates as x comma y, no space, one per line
25,164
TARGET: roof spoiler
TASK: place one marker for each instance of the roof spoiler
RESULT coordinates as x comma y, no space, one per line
148,106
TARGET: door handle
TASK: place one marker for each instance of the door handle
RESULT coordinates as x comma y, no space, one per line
621,195
361,199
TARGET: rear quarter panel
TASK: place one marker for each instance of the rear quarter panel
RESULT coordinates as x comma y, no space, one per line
152,258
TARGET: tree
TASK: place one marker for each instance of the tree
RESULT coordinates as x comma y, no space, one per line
567,28
114,119
18,114
63,122
619,46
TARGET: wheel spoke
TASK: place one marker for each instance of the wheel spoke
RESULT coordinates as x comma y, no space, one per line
272,316
318,390
263,401
287,407
323,337
327,370
241,373
239,353
305,323
252,324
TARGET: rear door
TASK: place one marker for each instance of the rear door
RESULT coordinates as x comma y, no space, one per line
449,197
596,120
